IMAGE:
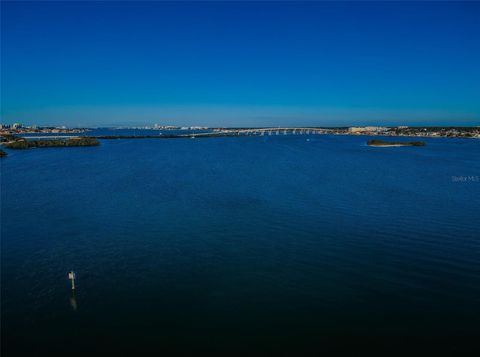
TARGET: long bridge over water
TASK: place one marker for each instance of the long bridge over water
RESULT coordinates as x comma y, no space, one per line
262,132
216,132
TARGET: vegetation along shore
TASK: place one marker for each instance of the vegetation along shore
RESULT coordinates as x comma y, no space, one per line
383,143
71,142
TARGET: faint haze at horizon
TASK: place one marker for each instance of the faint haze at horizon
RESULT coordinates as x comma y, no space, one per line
240,64
237,116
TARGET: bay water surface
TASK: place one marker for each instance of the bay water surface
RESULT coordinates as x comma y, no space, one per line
273,243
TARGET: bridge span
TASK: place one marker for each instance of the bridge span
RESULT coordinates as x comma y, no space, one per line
262,132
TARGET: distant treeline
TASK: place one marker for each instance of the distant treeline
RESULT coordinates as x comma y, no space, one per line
392,143
72,142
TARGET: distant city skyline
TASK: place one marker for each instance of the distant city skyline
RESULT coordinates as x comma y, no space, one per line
240,64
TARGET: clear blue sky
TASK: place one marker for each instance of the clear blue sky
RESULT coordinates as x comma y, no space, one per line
235,64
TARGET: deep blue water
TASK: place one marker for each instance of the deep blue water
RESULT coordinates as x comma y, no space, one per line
240,244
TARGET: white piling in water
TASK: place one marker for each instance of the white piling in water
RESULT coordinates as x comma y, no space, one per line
71,276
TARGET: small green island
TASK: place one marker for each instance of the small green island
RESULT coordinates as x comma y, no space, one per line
71,142
382,143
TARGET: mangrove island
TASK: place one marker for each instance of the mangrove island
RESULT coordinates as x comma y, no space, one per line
71,142
382,143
